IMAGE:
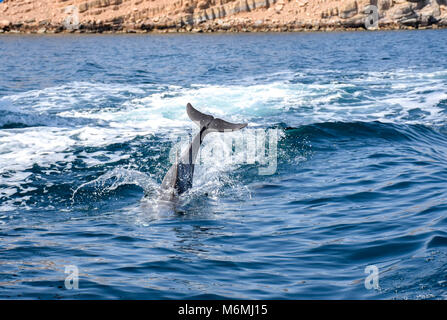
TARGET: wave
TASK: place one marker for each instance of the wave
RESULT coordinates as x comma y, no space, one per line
364,131
93,191
47,151
400,97
96,124
19,120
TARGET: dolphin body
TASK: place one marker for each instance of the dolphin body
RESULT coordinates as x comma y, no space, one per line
179,177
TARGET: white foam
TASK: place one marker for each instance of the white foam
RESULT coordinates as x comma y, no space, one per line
113,113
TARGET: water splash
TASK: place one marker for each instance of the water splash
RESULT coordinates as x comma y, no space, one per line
111,181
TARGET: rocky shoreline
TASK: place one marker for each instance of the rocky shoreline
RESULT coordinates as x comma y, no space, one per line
109,28
207,16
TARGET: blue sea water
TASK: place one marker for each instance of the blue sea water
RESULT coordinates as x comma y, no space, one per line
87,124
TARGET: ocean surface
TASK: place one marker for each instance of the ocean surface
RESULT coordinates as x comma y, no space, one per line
359,179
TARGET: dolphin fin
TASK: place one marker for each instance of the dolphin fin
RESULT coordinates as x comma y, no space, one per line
219,125
198,117
210,123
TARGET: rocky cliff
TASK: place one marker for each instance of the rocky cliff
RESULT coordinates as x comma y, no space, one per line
84,16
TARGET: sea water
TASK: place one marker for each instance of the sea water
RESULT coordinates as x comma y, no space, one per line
359,181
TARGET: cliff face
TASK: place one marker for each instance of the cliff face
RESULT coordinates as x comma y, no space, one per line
215,15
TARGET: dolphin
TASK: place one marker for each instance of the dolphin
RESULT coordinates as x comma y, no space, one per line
179,177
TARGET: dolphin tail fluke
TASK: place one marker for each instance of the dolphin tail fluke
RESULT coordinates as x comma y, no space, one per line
219,125
210,123
198,117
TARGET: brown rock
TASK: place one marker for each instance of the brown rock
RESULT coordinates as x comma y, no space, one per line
203,4
4,24
384,4
234,15
83,7
348,10
278,8
188,9
403,12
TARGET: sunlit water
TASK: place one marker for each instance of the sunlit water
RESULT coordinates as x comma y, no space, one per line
87,124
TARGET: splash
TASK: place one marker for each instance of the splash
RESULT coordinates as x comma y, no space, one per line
111,181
